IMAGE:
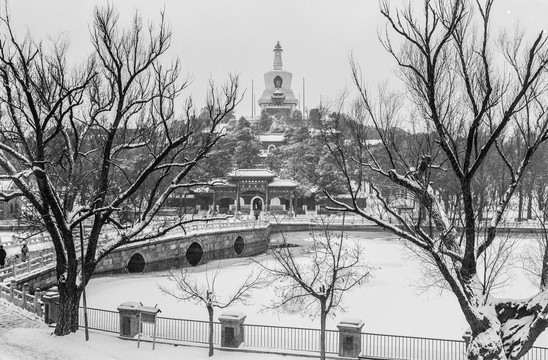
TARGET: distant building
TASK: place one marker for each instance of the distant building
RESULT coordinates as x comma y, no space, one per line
271,142
278,96
252,191
9,209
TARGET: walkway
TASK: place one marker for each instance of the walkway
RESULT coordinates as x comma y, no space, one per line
12,317
23,338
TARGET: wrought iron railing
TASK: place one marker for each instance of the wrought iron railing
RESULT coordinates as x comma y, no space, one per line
298,339
412,348
289,338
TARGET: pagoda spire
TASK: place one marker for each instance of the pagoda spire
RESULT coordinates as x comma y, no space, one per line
278,57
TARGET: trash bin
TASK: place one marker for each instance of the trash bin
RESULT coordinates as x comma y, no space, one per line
232,331
51,306
129,318
350,338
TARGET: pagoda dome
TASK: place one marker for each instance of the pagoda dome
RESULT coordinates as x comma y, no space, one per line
277,82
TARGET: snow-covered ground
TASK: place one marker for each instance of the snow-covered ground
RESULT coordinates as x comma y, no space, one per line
27,344
392,302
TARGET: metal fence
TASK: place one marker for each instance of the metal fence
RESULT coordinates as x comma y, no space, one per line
412,348
99,319
299,339
536,353
184,330
289,338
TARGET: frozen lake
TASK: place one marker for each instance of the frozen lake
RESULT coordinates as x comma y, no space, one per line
391,302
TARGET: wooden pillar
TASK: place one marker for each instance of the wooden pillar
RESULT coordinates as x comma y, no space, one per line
267,197
237,197
290,200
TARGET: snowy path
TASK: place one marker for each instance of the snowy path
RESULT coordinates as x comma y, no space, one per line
22,338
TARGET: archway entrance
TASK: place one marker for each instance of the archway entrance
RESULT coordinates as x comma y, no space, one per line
136,264
194,254
256,206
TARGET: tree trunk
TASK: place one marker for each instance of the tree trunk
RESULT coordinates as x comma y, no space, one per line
486,346
520,204
323,316
210,313
69,303
530,205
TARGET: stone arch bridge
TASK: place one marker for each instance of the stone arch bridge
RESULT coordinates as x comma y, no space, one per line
201,243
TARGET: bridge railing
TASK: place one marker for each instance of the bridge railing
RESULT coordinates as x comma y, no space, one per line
23,298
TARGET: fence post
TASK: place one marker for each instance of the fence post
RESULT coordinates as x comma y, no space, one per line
51,305
13,284
466,337
28,264
25,292
37,296
14,268
350,344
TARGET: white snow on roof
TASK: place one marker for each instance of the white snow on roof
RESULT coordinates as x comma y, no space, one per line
272,138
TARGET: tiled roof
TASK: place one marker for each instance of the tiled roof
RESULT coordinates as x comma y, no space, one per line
251,173
272,138
283,183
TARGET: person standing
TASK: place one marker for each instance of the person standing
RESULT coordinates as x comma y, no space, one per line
24,252
2,256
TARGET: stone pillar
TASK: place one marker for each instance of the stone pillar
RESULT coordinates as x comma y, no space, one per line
37,306
129,319
51,306
350,344
232,331
25,292
13,284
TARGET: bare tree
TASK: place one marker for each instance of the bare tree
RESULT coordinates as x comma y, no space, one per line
471,93
315,281
534,260
188,289
94,143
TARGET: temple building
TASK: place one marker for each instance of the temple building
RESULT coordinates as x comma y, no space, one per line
278,96
252,191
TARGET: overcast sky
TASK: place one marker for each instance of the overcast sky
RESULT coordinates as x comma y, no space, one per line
217,37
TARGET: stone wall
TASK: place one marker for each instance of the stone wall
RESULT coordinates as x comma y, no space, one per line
42,279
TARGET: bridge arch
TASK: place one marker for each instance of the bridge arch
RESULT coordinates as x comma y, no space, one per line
239,245
136,263
194,254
